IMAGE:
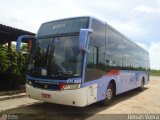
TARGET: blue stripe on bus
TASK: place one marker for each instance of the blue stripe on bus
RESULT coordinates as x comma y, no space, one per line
70,80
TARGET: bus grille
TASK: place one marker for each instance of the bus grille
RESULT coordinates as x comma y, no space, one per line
50,86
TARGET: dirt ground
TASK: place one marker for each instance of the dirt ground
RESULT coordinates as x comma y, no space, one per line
147,101
132,102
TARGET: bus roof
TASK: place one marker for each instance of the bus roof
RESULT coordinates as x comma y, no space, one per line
99,20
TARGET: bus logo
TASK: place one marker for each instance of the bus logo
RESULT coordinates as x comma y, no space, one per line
58,26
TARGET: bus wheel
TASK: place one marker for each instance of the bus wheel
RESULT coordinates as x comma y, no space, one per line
141,88
109,95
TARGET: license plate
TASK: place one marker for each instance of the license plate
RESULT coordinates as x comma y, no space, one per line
44,95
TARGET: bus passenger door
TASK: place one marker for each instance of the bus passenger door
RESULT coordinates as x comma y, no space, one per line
92,74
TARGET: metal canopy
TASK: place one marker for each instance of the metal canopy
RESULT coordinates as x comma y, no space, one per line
8,34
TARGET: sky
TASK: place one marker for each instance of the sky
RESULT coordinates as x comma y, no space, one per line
139,20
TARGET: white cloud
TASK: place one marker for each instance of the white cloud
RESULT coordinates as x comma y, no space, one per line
29,15
126,16
154,52
129,28
146,9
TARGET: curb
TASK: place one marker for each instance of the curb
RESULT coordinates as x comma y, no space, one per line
3,98
15,92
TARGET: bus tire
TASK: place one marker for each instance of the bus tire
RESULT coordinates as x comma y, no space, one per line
141,88
109,95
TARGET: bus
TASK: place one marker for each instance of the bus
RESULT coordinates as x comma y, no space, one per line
82,60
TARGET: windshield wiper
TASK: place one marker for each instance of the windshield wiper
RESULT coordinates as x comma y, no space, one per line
51,58
34,49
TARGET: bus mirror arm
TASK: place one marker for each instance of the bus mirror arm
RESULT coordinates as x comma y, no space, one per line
83,39
90,30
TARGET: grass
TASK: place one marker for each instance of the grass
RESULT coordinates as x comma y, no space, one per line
155,72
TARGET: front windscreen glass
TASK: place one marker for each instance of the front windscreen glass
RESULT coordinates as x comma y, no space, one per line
57,58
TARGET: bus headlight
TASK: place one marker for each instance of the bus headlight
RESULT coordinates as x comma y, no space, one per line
71,86
29,82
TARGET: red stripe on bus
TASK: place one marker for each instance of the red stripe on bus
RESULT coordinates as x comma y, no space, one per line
113,72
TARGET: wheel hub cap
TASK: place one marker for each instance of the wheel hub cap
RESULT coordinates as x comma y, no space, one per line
109,94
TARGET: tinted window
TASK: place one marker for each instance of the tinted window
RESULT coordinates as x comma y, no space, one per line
92,57
134,57
93,70
97,38
98,35
60,57
114,49
91,63
63,26
101,58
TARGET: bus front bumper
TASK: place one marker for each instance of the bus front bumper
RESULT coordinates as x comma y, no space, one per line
76,97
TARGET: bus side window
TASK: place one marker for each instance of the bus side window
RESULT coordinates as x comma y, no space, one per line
91,63
92,57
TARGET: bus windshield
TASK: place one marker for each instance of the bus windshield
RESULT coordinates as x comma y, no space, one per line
58,58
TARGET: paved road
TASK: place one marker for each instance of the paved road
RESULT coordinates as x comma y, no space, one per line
133,102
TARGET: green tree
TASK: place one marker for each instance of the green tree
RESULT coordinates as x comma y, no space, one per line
13,66
24,48
4,61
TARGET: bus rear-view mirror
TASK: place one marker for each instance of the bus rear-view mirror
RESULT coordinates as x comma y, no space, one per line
25,40
83,38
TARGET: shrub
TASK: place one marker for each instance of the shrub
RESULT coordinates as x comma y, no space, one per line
13,66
